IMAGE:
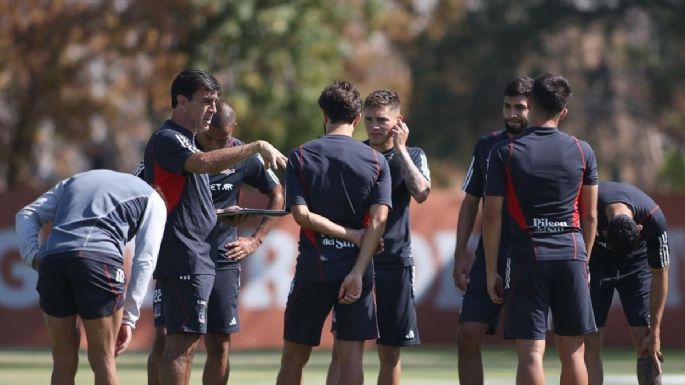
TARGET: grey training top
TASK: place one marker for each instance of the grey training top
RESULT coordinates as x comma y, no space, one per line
98,211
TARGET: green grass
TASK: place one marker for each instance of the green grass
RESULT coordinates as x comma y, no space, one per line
423,365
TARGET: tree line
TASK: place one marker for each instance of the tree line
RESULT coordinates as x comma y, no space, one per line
85,83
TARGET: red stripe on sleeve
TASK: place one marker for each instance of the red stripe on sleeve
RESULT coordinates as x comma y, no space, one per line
170,184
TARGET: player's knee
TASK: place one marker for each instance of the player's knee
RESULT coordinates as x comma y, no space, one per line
180,347
468,341
389,355
101,363
295,355
217,345
533,354
349,352
65,365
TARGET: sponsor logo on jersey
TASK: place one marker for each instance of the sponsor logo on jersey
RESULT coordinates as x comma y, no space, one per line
221,186
228,171
544,225
337,243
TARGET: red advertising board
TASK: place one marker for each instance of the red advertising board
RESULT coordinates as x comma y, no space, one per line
267,274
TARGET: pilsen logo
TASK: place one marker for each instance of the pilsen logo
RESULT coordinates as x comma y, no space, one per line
549,226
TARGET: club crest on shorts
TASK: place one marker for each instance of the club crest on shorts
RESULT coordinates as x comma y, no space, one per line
201,307
119,276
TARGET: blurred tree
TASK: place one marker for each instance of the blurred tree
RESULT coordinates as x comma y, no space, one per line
274,58
620,57
96,75
75,78
85,82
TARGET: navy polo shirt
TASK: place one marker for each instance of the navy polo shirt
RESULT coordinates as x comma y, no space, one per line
190,213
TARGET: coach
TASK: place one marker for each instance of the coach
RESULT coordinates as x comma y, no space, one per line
185,270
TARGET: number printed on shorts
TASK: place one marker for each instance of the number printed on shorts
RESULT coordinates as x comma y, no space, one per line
157,296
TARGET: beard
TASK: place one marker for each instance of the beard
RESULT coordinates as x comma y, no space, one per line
515,129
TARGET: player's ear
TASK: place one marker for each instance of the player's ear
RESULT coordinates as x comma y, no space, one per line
181,101
400,118
357,119
326,119
563,113
639,228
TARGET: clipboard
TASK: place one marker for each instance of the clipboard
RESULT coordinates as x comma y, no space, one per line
251,212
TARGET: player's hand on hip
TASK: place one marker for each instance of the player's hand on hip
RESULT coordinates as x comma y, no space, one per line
350,289
272,157
123,339
241,248
462,271
495,288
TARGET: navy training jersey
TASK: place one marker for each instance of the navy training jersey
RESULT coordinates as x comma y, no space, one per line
397,236
474,184
190,213
339,178
646,212
541,173
225,188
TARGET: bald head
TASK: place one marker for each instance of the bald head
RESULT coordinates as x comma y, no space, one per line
220,129
225,118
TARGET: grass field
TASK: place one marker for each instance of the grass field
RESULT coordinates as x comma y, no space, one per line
424,365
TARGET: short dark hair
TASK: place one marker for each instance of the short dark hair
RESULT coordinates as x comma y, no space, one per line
341,102
623,235
522,86
224,116
383,98
189,81
551,93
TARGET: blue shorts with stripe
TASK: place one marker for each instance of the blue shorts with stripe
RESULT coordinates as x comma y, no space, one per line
222,313
630,278
476,304
92,289
396,310
540,286
180,303
309,304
